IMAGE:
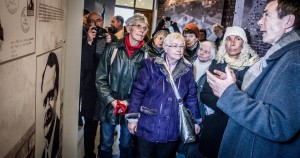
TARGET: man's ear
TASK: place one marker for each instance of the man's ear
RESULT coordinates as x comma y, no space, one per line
119,22
289,21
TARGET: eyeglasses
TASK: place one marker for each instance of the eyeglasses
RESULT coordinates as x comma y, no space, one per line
176,46
94,21
140,27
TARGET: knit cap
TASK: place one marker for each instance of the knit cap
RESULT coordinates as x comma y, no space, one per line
236,31
191,28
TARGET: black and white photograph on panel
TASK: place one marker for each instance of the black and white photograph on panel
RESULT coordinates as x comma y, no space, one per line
204,13
48,107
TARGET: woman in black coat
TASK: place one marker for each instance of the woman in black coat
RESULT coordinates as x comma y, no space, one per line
239,56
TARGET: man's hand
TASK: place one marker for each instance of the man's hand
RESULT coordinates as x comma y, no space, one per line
91,35
107,38
132,127
220,82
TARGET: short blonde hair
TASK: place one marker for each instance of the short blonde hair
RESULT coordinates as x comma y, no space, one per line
171,37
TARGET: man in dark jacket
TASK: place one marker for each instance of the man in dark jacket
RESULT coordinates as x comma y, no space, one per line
117,23
263,119
114,78
92,49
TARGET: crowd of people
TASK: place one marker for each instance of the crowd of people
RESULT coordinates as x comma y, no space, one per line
240,103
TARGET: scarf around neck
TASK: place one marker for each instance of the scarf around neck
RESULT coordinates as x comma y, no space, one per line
131,49
256,69
238,64
200,68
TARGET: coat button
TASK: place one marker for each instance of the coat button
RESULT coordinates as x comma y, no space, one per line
170,99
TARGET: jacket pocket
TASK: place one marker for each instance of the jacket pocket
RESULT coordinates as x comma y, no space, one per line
148,111
147,119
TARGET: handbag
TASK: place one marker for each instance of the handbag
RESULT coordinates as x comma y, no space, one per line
186,122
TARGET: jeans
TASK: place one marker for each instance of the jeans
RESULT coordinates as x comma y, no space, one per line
107,140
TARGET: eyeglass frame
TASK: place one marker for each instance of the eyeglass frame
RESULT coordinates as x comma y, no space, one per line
176,46
94,21
139,27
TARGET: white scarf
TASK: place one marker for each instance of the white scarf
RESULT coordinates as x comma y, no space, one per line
200,68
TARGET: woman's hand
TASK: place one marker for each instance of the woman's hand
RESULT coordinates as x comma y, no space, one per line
132,127
197,129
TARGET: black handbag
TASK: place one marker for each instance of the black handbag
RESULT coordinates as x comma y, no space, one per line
186,122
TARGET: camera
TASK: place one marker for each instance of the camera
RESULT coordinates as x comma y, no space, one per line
100,32
168,18
112,30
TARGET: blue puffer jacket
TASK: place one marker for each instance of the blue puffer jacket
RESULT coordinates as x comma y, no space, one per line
154,103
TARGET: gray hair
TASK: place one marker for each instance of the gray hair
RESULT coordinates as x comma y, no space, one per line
136,17
213,48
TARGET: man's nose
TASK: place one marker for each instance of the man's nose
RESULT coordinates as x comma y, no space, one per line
259,22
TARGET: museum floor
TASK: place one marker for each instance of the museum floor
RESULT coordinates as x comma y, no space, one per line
80,147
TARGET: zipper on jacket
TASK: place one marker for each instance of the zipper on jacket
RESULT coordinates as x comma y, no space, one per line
159,119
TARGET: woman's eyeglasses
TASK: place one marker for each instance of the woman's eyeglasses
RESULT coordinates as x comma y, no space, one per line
141,27
176,46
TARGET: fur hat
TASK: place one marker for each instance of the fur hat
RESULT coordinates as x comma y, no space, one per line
235,31
191,28
161,32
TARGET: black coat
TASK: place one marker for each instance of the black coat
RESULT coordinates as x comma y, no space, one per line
115,81
214,125
90,56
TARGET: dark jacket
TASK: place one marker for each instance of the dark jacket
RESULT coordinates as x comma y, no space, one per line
161,24
154,99
191,55
90,56
213,126
218,41
114,81
264,120
153,52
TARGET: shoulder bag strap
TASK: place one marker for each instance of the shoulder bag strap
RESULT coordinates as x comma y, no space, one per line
113,55
173,84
